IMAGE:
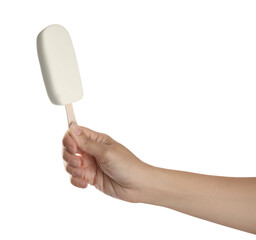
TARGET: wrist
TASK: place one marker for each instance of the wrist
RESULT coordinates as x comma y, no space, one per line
159,187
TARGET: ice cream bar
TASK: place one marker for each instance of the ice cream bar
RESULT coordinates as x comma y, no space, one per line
59,67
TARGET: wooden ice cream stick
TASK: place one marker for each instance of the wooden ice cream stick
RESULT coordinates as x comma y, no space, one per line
70,114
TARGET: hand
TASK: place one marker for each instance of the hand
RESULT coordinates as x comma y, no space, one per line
97,159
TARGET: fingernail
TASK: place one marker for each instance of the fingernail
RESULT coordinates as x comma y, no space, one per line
75,129
77,172
74,163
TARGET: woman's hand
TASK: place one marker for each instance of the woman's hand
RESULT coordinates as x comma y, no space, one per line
97,159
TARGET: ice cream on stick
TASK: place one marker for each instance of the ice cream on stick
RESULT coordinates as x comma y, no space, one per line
59,68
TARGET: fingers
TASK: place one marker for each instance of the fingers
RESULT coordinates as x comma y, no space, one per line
78,178
81,183
75,172
69,143
76,167
85,143
72,159
73,165
89,144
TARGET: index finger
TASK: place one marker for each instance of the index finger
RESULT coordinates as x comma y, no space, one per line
69,143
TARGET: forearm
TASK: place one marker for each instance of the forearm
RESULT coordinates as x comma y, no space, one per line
224,200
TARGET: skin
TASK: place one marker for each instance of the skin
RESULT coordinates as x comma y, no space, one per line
95,158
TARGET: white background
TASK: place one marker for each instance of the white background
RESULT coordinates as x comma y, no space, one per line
174,81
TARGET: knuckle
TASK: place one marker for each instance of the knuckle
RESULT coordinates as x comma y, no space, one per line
107,138
72,181
105,135
69,169
64,140
78,183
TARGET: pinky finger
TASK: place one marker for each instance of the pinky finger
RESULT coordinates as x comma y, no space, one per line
78,182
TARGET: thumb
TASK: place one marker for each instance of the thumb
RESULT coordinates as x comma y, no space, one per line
85,143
